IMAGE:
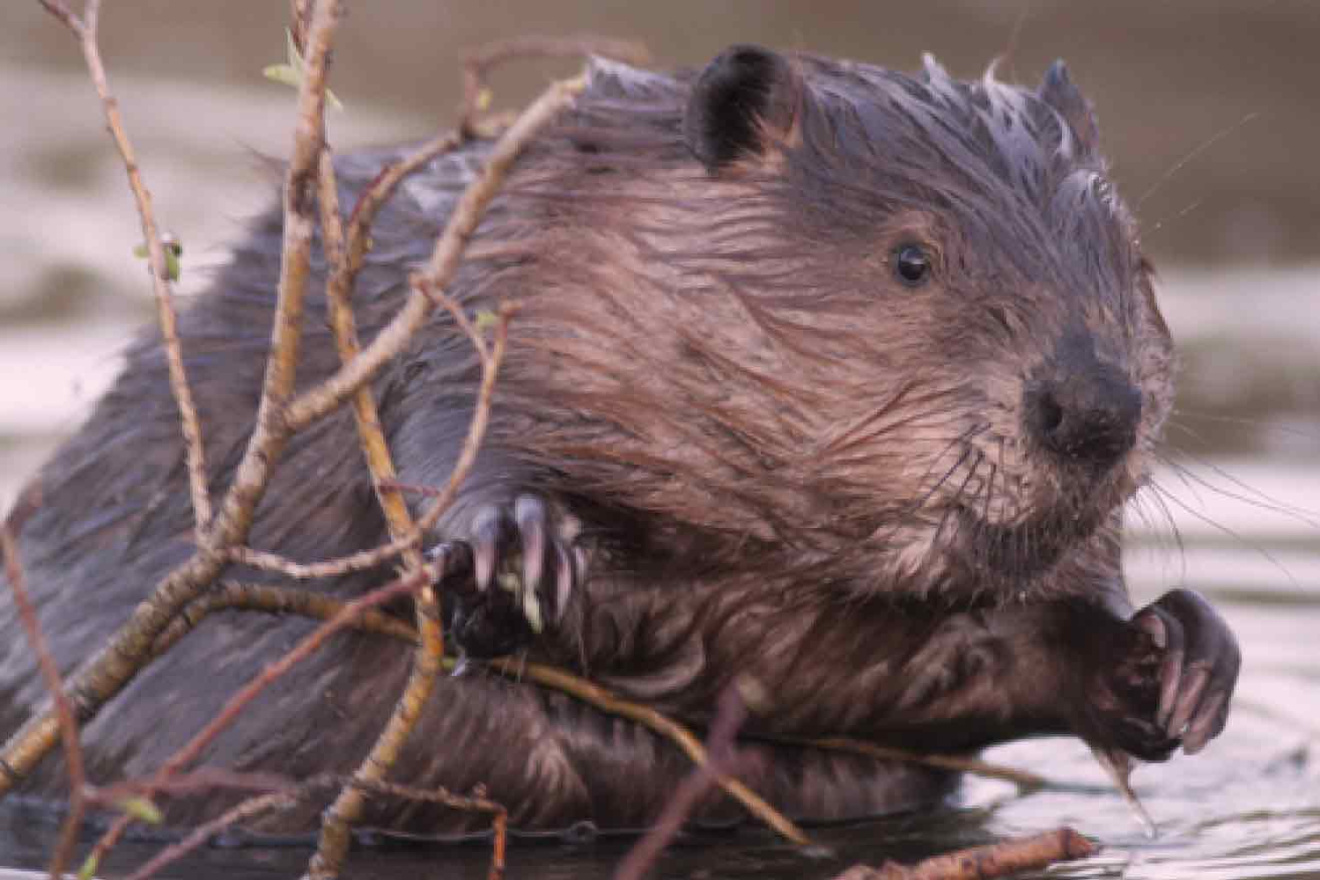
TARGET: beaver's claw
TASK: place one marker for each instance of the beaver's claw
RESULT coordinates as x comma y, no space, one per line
1162,680
525,569
1199,667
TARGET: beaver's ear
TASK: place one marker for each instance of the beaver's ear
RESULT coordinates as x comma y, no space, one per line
1058,91
744,101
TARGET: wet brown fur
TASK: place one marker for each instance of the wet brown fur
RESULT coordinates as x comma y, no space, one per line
785,464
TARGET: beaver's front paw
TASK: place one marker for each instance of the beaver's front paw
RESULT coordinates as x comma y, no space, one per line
525,568
1199,667
1168,682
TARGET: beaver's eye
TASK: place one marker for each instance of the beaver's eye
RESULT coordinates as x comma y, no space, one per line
911,264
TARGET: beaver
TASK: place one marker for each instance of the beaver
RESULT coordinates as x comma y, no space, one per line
825,375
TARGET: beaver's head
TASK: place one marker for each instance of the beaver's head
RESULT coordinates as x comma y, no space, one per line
897,330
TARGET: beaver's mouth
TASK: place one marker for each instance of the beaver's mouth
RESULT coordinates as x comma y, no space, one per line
1026,549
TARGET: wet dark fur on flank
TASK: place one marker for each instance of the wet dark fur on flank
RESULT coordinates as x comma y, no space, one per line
783,461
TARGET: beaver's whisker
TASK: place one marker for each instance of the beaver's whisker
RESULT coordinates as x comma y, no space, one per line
1223,529
1261,500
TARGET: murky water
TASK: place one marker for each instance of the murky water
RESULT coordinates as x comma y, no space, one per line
1237,511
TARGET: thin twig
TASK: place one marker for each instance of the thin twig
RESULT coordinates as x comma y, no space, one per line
203,780
86,31
273,427
477,64
491,359
339,289
363,560
248,809
50,673
275,600
338,292
371,199
1002,859
300,19
106,673
1023,779
722,760
428,655
27,503
65,16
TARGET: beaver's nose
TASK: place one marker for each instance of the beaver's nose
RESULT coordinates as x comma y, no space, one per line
1082,409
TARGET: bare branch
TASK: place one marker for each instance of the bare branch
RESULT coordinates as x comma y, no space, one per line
490,368
1002,859
103,675
479,62
274,600
86,31
273,427
62,12
300,19
430,650
379,191
50,673
91,15
203,780
302,571
248,809
1023,779
338,292
723,761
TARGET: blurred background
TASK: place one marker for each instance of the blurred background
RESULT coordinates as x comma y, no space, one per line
1209,111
